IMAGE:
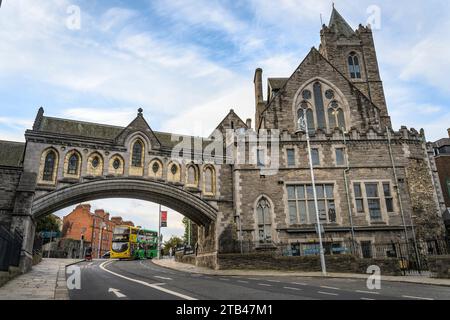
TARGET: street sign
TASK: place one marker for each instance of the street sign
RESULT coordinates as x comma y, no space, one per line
163,219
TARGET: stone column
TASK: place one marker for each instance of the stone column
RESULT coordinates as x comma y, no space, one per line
23,220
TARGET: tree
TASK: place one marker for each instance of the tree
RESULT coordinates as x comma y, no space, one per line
47,223
192,227
173,242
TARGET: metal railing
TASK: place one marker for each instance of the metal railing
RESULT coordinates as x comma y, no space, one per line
402,250
10,247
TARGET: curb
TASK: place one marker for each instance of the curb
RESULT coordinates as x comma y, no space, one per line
61,291
350,276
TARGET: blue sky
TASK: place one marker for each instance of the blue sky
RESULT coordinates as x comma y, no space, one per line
188,62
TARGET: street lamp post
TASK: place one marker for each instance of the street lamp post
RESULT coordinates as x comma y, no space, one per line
303,127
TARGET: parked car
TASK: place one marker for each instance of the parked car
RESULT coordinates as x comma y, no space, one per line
107,255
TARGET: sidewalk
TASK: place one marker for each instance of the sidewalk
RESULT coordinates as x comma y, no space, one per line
172,264
46,281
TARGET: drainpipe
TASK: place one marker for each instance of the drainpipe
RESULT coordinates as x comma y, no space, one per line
346,171
397,189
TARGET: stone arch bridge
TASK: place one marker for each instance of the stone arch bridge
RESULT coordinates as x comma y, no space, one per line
67,162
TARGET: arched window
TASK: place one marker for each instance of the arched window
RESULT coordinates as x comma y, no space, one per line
322,106
116,165
155,169
49,166
264,220
353,66
192,177
309,117
136,159
174,172
209,181
73,164
336,118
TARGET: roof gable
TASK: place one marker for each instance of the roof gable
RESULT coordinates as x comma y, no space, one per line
139,125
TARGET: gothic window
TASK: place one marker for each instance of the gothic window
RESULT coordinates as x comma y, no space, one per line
136,159
72,167
353,66
192,176
321,106
155,169
264,220
209,180
174,172
49,166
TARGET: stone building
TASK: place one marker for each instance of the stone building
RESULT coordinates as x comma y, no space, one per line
373,184
442,159
95,227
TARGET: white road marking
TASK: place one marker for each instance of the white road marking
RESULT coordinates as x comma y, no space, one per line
291,288
420,298
276,281
253,279
332,288
367,299
164,278
328,293
265,284
223,279
242,281
369,292
299,283
117,293
153,286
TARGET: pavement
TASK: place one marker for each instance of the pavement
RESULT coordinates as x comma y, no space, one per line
149,280
45,281
172,264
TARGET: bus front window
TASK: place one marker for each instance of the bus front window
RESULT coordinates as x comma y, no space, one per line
120,246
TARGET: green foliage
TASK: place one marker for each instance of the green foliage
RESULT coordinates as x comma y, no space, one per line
173,242
47,223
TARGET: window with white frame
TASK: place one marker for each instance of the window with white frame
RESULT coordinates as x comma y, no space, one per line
264,220
388,199
373,201
301,203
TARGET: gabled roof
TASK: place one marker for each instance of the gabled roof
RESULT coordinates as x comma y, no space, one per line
339,25
11,153
277,83
97,131
315,56
231,116
139,125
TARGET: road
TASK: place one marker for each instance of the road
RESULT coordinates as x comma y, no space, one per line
143,280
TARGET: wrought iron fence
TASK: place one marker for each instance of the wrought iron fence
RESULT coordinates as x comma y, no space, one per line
10,247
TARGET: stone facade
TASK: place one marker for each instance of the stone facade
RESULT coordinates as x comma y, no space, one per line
374,184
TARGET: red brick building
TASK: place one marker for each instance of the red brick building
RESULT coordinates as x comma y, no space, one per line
95,227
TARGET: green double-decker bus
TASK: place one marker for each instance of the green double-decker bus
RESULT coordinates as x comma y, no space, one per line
147,244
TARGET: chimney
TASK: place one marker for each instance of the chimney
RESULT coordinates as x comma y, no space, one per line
258,86
249,123
448,130
100,212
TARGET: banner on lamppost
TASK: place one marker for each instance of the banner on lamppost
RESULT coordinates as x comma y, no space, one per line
163,219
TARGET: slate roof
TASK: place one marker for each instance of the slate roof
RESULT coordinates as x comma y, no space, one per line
277,83
11,153
339,25
93,130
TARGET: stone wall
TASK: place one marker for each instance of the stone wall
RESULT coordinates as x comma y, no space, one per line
439,266
9,180
336,263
